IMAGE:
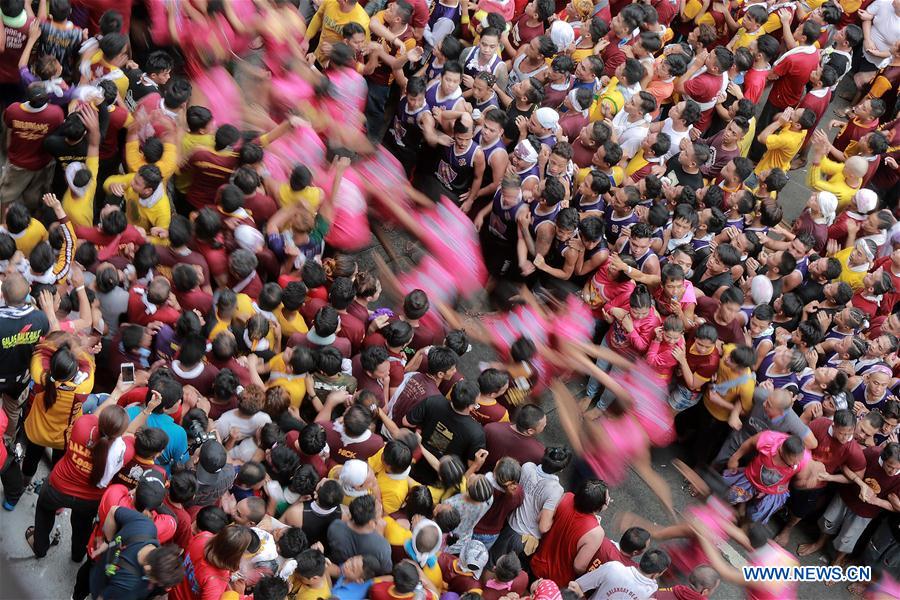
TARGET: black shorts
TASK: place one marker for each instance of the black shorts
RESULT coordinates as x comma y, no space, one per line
864,65
802,503
12,387
499,256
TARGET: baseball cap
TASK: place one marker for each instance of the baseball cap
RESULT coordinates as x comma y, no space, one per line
151,488
474,557
212,458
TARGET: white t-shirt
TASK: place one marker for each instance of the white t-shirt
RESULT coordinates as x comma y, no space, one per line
542,492
247,426
675,137
885,28
631,135
615,581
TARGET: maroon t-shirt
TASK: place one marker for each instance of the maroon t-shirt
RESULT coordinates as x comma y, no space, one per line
832,454
353,331
261,206
501,439
195,299
300,339
16,38
341,453
490,413
311,307
359,312
418,387
202,381
242,372
495,518
581,154
169,258
793,72
732,333
210,170
519,585
109,145
27,131
183,523
704,88
880,482
456,582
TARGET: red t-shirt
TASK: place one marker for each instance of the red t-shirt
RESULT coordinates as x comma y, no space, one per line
353,331
704,88
137,312
16,38
210,170
608,552
102,240
832,454
877,479
118,495
292,439
27,131
754,84
216,257
731,333
201,581
195,299
72,473
793,72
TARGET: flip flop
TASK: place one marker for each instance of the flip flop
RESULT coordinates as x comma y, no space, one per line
29,537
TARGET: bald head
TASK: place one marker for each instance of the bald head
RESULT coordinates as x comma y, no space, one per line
781,399
704,580
15,289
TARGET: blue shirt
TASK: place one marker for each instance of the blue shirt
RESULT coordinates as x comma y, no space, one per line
346,590
177,449
128,582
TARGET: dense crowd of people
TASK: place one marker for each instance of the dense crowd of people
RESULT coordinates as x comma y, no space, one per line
241,399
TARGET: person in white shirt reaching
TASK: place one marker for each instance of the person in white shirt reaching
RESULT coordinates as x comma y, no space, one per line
615,581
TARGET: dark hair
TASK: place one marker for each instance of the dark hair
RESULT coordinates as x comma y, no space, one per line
111,424
310,563
655,561
177,93
591,495
528,416
112,44
362,510
635,539
555,459
464,395
198,117
441,359
212,519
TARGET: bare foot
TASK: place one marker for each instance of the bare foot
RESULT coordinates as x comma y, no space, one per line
807,549
857,589
783,537
798,163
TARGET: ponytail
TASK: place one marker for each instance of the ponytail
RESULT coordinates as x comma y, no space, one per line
112,424
640,297
63,367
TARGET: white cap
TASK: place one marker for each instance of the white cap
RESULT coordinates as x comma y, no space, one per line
866,200
547,117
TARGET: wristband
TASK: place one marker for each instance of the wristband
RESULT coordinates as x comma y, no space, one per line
80,288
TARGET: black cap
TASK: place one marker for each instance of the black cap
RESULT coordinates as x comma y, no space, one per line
212,458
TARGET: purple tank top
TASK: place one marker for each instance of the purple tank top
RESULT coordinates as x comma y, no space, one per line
456,170
433,101
503,220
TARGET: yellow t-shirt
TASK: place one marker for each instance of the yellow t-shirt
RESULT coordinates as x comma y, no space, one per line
852,278
114,73
167,163
311,195
81,209
742,391
146,217
636,163
781,148
828,176
294,385
743,38
305,592
397,535
692,9
393,489
289,327
30,237
330,21
748,138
